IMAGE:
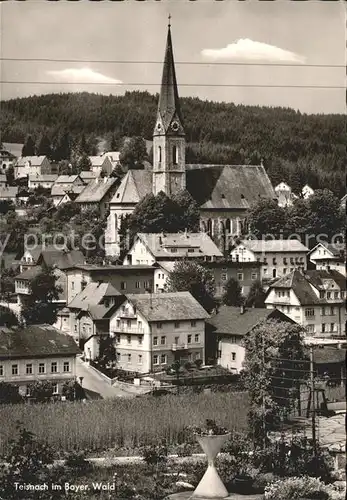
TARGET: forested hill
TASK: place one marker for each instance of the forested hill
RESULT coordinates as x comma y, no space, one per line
295,147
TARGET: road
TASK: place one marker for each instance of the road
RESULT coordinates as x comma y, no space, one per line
95,385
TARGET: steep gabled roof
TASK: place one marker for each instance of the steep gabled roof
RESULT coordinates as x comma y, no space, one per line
228,186
61,259
43,178
231,321
95,311
96,190
336,250
60,190
92,295
300,286
168,306
200,244
135,185
29,273
35,161
319,277
67,179
35,340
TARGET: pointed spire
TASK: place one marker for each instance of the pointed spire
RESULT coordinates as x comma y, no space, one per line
169,105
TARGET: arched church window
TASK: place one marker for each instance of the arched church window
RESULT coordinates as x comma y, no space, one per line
174,155
159,154
228,225
209,227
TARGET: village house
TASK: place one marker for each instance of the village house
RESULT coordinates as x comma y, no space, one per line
69,181
307,191
81,317
327,256
166,249
246,273
35,260
61,195
31,166
151,331
101,164
126,279
113,156
7,159
315,299
97,195
9,193
87,176
37,353
284,195
45,181
277,257
226,329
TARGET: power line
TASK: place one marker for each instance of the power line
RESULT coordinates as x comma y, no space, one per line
190,63
126,84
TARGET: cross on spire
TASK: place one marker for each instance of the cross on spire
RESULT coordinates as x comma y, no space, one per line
169,18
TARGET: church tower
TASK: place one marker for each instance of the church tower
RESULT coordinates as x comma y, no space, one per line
169,174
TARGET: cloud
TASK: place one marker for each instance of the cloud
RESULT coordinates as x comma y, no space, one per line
246,49
82,75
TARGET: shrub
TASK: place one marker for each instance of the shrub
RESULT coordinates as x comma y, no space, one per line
155,455
184,450
77,460
295,488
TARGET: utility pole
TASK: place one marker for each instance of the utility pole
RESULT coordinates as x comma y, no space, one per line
313,401
263,399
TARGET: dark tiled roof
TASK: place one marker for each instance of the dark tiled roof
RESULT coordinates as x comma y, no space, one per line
93,295
60,258
135,185
200,244
30,273
317,278
96,190
96,311
168,306
35,340
228,186
229,319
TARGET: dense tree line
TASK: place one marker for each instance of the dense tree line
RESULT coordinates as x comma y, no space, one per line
295,147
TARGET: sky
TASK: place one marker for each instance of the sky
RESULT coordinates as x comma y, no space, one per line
256,53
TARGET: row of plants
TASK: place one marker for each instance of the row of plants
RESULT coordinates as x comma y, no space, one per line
96,426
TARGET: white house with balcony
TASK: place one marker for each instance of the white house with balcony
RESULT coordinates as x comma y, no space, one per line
327,256
151,331
277,257
314,299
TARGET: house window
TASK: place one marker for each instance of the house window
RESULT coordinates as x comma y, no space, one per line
336,295
309,312
219,354
254,276
323,327
323,311
1,371
54,367
140,339
193,323
159,325
41,368
332,311
129,339
129,358
139,359
72,285
66,366
332,327
189,339
118,356
197,338
328,295
14,369
118,338
155,340
274,262
197,356
310,328
342,295
321,295
29,369
177,324
265,270
224,277
163,359
75,328
173,250
156,359
240,276
123,285
55,389
233,356
137,284
284,270
274,273
163,340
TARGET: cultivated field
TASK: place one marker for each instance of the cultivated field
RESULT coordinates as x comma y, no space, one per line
98,425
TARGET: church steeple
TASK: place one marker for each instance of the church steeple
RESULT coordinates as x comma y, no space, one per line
168,137
169,104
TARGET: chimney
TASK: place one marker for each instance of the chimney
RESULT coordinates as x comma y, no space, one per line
242,309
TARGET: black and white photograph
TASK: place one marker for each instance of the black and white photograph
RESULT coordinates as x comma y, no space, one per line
173,250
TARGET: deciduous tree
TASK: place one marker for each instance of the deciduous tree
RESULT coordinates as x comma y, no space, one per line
256,295
233,293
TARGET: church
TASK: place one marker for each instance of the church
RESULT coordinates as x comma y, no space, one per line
223,193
